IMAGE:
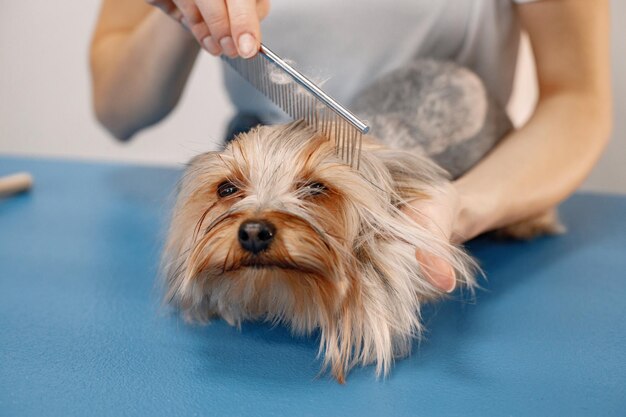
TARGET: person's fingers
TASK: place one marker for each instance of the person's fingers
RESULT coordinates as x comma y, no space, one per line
215,15
190,12
435,215
244,26
438,271
193,20
262,9
208,42
229,26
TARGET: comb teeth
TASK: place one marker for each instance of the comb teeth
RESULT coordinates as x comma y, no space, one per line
300,98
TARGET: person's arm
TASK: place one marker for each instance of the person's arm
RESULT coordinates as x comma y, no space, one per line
539,165
140,62
536,167
141,57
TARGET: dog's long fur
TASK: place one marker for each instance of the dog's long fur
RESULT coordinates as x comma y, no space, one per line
342,260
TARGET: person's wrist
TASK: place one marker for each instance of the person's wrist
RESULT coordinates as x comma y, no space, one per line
474,215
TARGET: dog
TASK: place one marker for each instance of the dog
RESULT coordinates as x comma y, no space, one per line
276,227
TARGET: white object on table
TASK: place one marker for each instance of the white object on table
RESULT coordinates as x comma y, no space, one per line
15,183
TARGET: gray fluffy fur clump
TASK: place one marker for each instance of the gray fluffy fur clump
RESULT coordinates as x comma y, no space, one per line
436,108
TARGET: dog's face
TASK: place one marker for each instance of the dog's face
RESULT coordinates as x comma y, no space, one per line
277,228
272,220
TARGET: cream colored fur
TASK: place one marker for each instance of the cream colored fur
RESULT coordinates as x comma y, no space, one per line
343,261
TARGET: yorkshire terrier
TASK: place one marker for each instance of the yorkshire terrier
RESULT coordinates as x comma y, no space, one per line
277,227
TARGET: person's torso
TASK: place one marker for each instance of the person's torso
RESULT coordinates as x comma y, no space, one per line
349,44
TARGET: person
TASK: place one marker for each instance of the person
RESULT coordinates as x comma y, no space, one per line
141,58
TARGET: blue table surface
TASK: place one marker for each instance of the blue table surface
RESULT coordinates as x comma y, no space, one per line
82,332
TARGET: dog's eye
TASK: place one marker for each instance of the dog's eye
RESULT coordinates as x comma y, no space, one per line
314,188
226,188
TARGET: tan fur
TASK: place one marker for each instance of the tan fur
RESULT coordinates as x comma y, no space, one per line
342,261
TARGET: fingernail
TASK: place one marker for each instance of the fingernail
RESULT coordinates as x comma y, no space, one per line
445,282
451,289
228,46
451,276
211,46
247,45
437,271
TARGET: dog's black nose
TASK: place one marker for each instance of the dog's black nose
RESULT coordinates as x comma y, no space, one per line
256,235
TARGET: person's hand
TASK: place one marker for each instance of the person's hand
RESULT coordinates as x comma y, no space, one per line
437,214
220,26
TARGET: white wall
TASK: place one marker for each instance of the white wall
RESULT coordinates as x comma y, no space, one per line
45,105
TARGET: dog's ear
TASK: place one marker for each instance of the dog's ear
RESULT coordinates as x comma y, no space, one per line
175,261
204,162
202,159
198,165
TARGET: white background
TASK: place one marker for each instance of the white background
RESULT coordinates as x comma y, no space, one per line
45,104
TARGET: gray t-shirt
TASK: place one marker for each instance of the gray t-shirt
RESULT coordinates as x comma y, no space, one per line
428,76
346,44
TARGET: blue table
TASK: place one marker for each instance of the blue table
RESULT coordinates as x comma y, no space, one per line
81,331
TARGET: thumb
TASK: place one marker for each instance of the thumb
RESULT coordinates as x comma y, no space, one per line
437,271
245,26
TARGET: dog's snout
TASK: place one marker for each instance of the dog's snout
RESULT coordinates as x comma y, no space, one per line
255,236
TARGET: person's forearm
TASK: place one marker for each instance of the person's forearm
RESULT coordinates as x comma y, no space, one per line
537,166
139,75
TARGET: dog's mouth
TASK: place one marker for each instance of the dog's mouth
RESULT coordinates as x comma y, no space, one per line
263,262
260,263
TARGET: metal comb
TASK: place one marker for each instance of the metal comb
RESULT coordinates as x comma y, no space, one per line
300,98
